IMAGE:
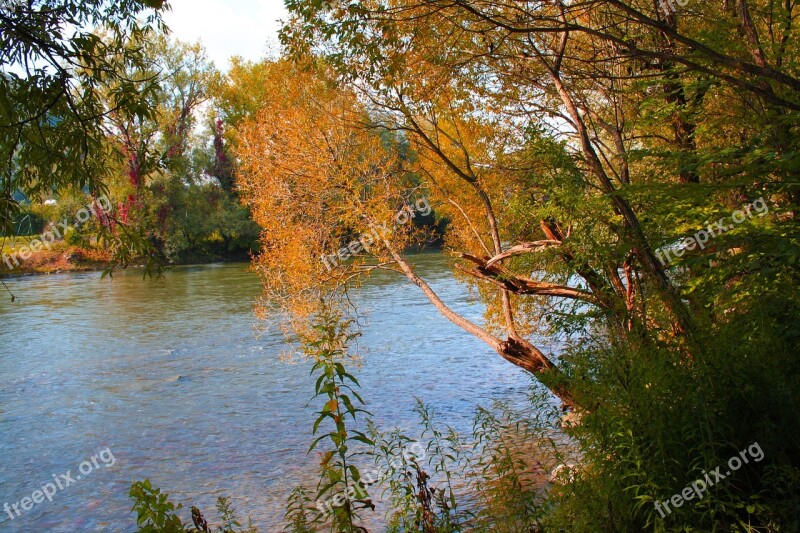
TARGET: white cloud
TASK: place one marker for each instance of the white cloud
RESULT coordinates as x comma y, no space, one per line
227,27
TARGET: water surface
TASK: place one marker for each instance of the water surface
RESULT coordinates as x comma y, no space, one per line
171,377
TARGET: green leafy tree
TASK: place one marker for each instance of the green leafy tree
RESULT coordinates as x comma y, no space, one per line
65,68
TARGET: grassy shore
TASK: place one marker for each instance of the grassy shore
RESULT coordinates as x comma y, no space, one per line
60,257
63,257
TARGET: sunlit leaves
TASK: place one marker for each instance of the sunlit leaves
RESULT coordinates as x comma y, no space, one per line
317,177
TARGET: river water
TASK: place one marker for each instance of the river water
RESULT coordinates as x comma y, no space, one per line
170,376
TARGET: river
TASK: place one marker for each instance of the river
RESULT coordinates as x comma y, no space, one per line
170,376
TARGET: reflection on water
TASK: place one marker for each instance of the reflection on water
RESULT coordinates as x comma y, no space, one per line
169,375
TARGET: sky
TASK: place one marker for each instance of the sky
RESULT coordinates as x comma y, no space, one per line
228,27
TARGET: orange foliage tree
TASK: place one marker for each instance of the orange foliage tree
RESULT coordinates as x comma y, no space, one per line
335,199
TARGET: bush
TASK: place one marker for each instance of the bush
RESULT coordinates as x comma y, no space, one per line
658,423
155,513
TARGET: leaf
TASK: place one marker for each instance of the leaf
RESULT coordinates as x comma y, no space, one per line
331,406
315,442
363,438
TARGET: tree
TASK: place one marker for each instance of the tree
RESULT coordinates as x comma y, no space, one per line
329,187
65,66
467,81
622,182
172,185
158,141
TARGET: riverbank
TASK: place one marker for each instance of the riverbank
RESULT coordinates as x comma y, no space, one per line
62,257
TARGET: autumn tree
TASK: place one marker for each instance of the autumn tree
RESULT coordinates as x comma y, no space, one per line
316,178
463,105
578,150
618,92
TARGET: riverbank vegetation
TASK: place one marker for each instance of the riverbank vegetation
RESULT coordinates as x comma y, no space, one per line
616,181
165,174
620,185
